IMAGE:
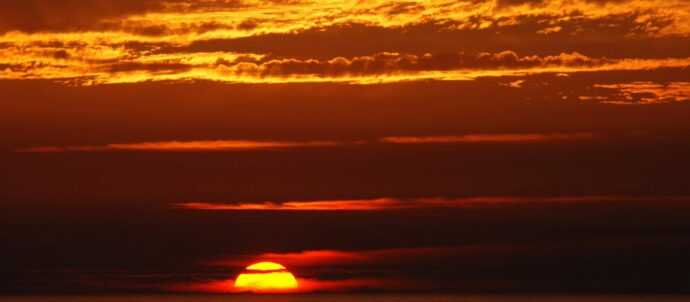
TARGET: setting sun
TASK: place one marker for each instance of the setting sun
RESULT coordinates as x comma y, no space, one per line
266,277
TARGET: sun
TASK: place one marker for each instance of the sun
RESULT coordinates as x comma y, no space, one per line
266,277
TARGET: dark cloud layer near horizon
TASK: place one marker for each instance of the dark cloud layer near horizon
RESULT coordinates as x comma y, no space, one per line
525,248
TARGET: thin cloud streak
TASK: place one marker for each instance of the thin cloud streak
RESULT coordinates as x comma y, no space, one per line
325,205
234,145
391,204
477,138
184,146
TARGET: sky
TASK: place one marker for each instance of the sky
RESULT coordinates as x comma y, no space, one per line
481,146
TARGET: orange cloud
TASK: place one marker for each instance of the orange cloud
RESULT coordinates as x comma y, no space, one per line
641,93
230,145
188,19
86,64
108,41
388,204
323,205
492,138
182,146
386,63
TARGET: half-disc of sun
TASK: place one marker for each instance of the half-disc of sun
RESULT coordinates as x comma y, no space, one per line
266,277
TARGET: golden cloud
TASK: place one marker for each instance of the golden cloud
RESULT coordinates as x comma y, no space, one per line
87,65
640,93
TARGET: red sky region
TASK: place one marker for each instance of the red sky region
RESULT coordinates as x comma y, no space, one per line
421,146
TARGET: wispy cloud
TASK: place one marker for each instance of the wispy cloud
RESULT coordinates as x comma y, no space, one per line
322,205
88,65
184,19
388,204
640,93
235,145
502,138
156,40
182,146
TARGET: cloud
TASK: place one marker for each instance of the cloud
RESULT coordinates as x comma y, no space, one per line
183,17
100,65
325,205
231,145
493,138
629,34
150,67
394,204
640,93
542,2
109,15
184,146
386,63
106,41
67,15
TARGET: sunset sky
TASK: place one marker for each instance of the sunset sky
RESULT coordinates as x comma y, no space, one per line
480,146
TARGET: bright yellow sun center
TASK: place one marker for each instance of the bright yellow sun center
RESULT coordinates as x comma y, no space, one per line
266,277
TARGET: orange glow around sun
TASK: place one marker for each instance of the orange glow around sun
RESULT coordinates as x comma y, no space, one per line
266,277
